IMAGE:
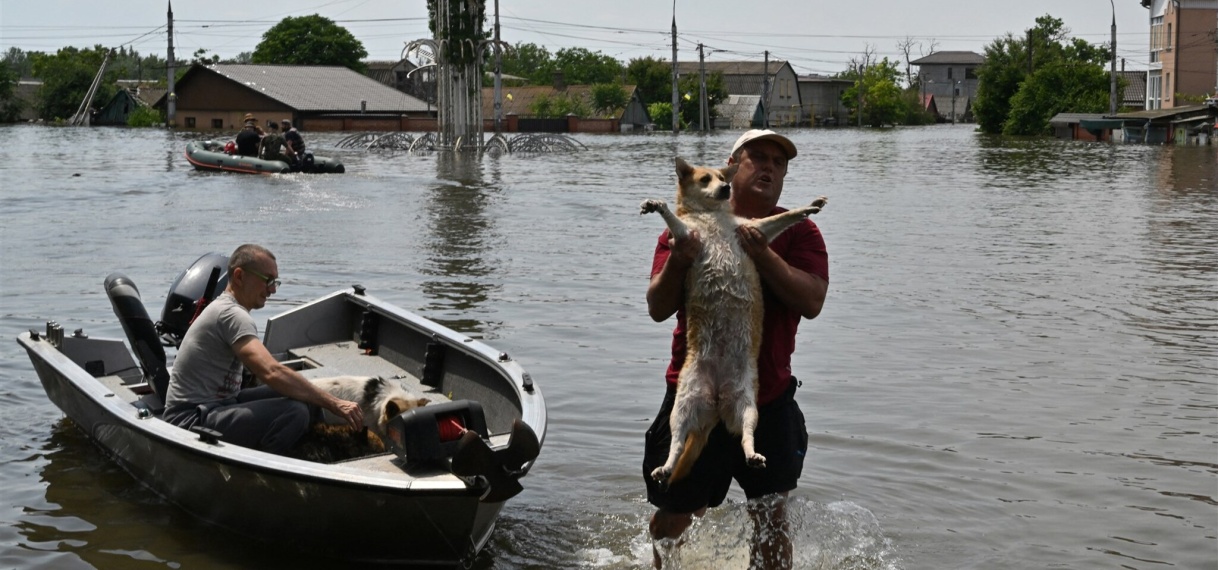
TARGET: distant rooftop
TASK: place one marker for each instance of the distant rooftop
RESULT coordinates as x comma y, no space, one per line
950,58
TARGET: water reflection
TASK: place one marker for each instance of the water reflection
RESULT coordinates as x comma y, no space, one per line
459,259
1188,169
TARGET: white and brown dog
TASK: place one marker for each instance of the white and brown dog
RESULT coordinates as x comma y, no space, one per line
381,400
723,311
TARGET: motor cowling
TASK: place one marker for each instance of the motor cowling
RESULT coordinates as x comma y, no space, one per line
191,291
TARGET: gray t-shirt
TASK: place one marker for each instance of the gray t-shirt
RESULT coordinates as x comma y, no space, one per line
206,368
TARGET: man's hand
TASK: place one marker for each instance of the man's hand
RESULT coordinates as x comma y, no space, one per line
351,412
752,240
684,251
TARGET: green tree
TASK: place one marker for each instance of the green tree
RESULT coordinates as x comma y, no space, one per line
310,40
609,99
583,67
1006,70
10,105
560,105
882,102
20,62
1061,86
145,117
529,61
688,86
653,77
661,115
66,77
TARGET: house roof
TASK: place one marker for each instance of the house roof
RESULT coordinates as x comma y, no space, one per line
951,58
822,79
1135,87
739,77
317,88
1073,118
519,100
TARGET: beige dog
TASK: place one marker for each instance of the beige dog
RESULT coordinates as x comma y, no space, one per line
723,311
381,400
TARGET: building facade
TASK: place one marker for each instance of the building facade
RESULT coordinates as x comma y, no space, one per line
774,81
821,100
951,76
1183,52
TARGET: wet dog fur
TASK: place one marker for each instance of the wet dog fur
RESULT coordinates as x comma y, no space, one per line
381,400
723,311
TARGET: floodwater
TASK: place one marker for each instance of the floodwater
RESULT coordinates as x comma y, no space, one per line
1016,366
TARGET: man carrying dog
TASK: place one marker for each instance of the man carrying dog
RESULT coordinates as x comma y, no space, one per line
794,272
205,384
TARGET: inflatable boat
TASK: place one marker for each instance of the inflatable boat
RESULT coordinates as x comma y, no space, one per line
210,155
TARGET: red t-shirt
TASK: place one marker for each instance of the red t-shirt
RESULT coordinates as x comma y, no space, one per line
802,247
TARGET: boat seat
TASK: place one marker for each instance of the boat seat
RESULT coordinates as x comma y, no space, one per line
141,334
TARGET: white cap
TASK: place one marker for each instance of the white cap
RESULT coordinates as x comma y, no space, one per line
765,134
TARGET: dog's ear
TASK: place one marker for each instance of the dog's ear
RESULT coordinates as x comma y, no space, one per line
684,170
729,171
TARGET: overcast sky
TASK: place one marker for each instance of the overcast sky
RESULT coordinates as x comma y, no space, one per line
815,36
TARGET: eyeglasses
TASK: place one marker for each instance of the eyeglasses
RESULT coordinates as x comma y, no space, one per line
271,283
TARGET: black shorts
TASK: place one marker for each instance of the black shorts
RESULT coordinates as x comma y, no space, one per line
781,436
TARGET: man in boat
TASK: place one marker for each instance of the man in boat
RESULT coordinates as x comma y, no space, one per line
296,146
205,385
794,271
249,137
272,145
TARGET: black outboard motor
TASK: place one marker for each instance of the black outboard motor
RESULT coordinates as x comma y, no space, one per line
191,291
125,299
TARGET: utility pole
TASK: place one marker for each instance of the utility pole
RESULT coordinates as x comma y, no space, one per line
171,99
860,90
498,75
703,112
765,93
1112,95
676,101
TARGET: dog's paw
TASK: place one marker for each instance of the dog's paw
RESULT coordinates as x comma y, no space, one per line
661,474
755,461
649,206
818,204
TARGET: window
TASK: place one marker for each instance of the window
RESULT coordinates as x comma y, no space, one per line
970,73
949,73
190,122
1167,87
217,123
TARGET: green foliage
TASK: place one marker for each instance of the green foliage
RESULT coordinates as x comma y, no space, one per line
653,77
661,115
1061,86
310,40
66,77
579,66
1005,73
582,67
560,105
20,62
882,101
10,105
914,112
609,99
689,85
462,42
145,117
530,61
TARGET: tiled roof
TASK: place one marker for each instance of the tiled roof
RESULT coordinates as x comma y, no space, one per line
319,88
731,67
951,58
1072,118
1135,87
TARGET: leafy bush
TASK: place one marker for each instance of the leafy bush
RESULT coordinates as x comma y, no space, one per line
145,117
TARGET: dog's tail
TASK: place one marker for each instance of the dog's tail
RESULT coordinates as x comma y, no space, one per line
694,443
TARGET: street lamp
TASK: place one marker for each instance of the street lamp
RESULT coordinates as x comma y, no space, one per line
1112,89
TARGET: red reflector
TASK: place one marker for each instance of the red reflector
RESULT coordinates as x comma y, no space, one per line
451,427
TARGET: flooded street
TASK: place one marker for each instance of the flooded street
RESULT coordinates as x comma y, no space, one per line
1016,366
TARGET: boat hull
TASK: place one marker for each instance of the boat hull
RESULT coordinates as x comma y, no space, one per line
210,156
370,509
